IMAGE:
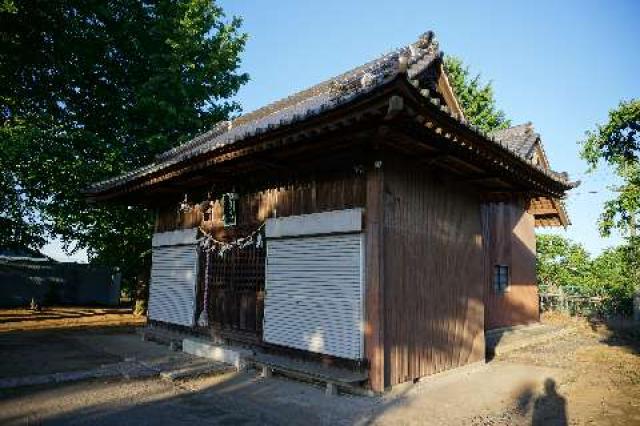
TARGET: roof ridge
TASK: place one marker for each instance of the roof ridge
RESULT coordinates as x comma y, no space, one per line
321,85
418,52
414,61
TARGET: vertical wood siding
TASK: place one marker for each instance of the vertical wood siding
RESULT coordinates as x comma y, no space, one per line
332,192
433,275
374,297
510,240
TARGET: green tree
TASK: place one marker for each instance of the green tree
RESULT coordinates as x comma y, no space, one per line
614,277
561,262
617,144
475,97
564,264
90,89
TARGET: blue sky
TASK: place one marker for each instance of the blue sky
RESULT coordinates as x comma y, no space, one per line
559,64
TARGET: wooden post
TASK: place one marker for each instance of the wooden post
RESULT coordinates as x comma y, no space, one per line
374,293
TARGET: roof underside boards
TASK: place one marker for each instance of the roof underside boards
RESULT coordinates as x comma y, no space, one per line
418,64
548,212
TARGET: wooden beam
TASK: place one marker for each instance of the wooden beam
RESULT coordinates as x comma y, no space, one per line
430,160
478,178
542,212
374,293
486,180
270,164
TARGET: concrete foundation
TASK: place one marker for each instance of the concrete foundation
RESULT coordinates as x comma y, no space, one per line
227,354
266,372
331,390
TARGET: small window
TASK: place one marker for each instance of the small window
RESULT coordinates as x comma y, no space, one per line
500,278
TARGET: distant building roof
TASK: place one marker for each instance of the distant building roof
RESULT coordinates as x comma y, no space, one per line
22,254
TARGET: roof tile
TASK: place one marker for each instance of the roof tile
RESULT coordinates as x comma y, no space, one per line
414,60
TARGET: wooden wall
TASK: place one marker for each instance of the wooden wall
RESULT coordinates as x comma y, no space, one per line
510,240
332,192
433,274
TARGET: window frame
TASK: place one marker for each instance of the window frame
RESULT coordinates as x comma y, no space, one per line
500,271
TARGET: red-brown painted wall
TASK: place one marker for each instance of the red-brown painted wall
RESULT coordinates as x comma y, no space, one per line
510,240
433,274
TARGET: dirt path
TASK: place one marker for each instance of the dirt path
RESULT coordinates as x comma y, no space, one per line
600,381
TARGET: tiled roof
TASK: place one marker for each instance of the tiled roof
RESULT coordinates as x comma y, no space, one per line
23,254
521,139
414,61
415,58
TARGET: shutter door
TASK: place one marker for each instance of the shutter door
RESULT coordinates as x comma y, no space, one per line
173,283
314,294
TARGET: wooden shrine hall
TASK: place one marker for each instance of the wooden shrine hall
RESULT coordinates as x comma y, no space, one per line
363,221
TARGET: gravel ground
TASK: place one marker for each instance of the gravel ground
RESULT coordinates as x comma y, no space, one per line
600,383
231,399
589,376
66,317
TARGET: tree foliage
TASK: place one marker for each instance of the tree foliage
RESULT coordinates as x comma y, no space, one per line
475,97
612,275
617,144
90,89
560,262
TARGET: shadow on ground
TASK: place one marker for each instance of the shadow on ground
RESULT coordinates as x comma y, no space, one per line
546,409
245,398
622,331
234,399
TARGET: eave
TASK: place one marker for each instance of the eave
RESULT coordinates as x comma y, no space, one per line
302,132
429,119
396,103
548,212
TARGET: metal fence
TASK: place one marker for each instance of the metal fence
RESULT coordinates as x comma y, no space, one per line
52,283
571,304
571,300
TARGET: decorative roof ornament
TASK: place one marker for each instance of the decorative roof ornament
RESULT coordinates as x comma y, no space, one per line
427,44
414,51
367,80
403,63
424,40
434,47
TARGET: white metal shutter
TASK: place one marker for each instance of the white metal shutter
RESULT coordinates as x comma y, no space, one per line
173,283
314,294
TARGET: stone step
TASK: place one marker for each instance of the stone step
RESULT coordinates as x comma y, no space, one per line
232,355
197,369
503,341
